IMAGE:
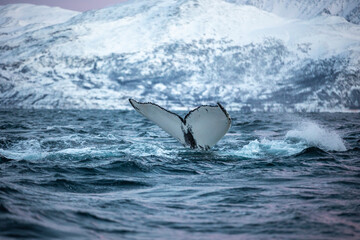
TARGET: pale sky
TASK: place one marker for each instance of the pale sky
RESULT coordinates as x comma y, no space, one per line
77,5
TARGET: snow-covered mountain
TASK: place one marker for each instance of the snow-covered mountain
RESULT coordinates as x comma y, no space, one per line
181,54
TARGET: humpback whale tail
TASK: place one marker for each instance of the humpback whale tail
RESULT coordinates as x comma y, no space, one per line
201,128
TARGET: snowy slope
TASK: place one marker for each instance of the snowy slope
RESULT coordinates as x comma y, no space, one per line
181,54
306,9
17,19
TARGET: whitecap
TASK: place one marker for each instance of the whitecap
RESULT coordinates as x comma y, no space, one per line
314,135
24,150
268,147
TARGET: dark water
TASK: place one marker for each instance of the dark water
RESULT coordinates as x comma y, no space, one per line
114,175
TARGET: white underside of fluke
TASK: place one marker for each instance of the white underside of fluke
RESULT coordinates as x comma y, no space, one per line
201,128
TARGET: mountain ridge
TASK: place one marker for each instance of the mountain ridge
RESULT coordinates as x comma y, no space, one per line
180,52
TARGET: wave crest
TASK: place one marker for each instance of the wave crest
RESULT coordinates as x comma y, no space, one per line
314,135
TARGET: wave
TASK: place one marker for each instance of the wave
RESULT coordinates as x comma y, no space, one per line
314,135
114,152
267,147
37,153
308,138
99,185
125,166
23,150
4,159
312,152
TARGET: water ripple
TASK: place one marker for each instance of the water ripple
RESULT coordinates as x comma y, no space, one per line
114,175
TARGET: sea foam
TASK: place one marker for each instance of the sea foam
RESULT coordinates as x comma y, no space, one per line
24,150
269,147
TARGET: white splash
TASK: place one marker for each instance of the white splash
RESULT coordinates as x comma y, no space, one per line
313,134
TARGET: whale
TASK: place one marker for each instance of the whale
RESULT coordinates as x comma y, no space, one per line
201,128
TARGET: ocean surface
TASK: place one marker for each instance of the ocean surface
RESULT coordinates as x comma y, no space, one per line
96,174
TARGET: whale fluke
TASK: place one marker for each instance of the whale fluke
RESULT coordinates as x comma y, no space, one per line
201,128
